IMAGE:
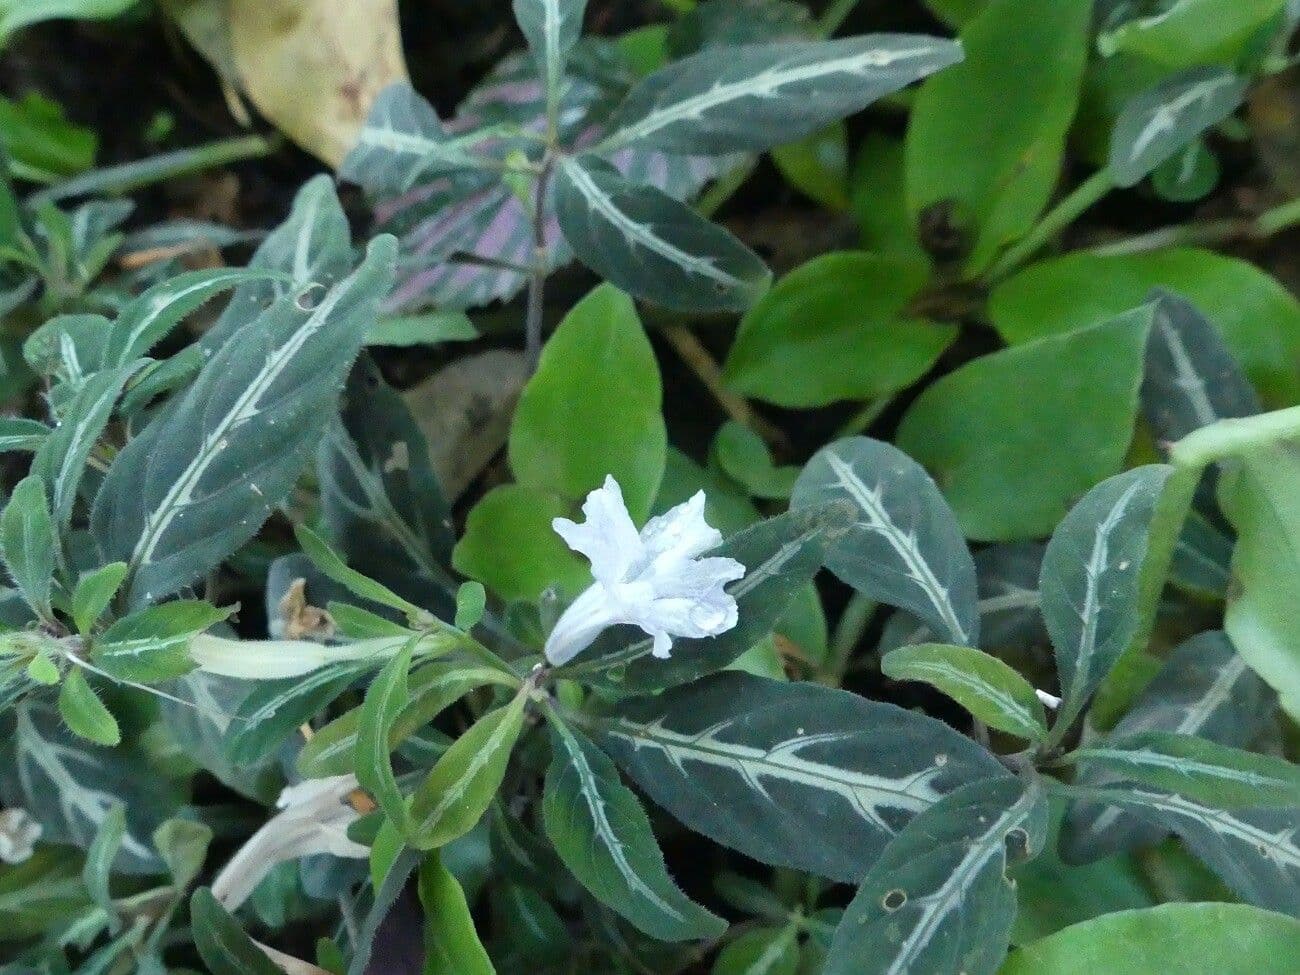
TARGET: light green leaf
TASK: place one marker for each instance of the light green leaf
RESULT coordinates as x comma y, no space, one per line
471,600
742,455
904,548
984,685
939,901
28,543
1192,32
451,944
791,774
385,699
84,712
1014,437
95,590
987,136
757,96
780,555
761,951
183,846
21,13
879,200
332,564
1160,121
1259,318
1090,581
1226,939
1213,774
603,836
231,448
835,329
650,245
465,781
818,165
593,408
153,644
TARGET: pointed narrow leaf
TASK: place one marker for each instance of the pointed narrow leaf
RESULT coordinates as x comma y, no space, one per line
762,951
451,944
905,547
62,459
1209,773
84,712
552,28
1256,852
1205,689
1191,379
146,320
385,699
939,900
153,644
95,590
1161,120
202,477
464,782
332,564
603,836
98,868
19,433
780,556
28,543
275,709
651,245
222,943
752,97
182,844
794,775
984,685
1090,580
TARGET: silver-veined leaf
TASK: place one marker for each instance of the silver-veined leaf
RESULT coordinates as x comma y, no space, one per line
651,245
752,97
1090,580
1213,774
29,543
791,774
222,943
1205,689
939,900
552,28
387,695
1190,379
1158,122
984,685
780,555
905,547
20,433
202,477
1256,852
603,836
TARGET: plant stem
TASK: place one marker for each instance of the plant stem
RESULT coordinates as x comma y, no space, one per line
541,260
1208,232
1225,438
1057,219
116,180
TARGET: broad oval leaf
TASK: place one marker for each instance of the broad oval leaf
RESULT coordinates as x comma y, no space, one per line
647,243
1090,580
752,97
1204,689
794,775
780,556
1226,939
1160,121
984,685
939,900
905,547
1209,773
202,477
603,836
84,713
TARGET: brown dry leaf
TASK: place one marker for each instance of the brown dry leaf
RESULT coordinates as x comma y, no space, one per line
299,620
312,67
464,412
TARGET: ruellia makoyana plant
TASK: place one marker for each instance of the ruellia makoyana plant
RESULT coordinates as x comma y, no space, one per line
1073,572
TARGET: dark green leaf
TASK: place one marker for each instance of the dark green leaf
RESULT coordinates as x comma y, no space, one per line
795,775
17,433
222,943
28,543
762,951
939,901
905,548
552,28
603,836
98,868
277,708
332,564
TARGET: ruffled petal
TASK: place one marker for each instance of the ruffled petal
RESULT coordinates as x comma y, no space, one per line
677,536
608,538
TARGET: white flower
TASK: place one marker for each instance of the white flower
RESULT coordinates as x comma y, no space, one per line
654,579
315,819
1050,700
18,835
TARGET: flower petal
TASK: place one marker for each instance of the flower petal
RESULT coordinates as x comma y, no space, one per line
677,536
608,538
580,624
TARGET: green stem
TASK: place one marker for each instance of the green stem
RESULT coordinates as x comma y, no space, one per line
1226,438
1207,232
1057,219
117,180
